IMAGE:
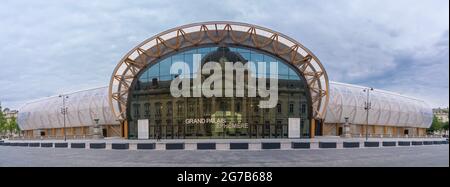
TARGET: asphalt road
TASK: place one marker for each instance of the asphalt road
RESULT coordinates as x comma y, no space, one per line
422,156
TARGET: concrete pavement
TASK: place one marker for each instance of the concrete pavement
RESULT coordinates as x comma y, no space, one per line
423,156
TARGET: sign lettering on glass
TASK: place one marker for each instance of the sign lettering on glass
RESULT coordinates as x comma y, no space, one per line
218,122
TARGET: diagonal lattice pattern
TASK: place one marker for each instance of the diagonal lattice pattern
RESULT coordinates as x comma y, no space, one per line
218,33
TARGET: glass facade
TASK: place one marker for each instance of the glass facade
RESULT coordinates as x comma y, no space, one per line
216,117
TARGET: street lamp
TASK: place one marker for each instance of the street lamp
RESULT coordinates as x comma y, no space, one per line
367,107
64,112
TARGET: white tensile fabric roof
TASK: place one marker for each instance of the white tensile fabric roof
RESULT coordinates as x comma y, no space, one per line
83,107
346,100
387,108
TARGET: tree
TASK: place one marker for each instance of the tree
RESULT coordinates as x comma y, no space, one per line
3,122
13,127
435,125
445,126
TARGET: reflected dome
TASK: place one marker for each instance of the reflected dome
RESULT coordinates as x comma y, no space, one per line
223,54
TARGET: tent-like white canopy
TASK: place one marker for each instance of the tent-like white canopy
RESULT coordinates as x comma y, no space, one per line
82,108
387,108
346,100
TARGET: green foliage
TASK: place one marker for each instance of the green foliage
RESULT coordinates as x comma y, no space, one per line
445,126
3,122
6,126
13,126
436,125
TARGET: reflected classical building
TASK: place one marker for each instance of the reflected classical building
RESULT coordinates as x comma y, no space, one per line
151,99
138,103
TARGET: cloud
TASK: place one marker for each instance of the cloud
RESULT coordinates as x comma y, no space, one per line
61,46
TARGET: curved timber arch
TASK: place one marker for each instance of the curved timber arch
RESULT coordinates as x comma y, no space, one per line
218,33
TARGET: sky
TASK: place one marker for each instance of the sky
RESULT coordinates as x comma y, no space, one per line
59,46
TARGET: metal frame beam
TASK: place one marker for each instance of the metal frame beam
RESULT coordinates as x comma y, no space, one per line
207,33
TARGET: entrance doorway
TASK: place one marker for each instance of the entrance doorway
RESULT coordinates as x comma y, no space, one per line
319,127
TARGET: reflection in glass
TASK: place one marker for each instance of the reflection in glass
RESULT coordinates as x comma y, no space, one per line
167,115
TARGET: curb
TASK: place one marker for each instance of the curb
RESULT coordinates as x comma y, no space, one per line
371,144
328,145
300,145
404,143
351,144
270,145
174,146
97,145
78,145
61,145
120,146
224,146
389,144
238,146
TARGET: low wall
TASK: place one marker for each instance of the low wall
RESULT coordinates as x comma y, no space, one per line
251,144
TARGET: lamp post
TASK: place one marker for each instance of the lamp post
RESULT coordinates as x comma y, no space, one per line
64,112
367,107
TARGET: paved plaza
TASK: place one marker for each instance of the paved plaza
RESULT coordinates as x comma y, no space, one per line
427,156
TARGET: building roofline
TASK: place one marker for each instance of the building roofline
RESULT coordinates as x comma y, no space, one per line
67,93
378,90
